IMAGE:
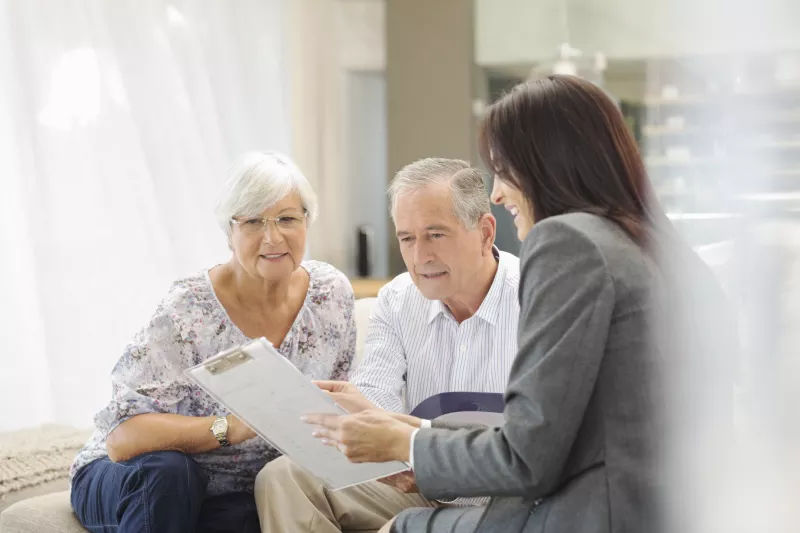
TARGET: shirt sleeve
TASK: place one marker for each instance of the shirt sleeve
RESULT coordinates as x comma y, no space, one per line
381,376
148,378
423,425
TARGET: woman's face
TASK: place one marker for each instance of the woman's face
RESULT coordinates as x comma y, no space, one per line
273,252
512,199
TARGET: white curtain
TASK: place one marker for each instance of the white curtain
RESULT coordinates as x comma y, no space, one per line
117,122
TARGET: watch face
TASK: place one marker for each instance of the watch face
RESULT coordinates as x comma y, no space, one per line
219,426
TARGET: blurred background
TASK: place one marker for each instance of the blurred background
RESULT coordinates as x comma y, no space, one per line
118,120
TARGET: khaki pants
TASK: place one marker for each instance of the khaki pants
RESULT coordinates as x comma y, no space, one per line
290,500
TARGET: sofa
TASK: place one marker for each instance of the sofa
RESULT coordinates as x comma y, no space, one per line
50,510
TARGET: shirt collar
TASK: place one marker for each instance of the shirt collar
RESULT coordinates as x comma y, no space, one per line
489,308
435,309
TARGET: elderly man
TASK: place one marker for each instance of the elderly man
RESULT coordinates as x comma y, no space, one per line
448,324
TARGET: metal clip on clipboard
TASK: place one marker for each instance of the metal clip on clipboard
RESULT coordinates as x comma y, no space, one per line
226,360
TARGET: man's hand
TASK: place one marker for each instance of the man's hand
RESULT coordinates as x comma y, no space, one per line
347,395
402,481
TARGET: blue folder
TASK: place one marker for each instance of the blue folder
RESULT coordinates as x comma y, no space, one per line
455,402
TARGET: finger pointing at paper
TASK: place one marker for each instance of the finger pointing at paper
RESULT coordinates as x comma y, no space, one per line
371,436
346,395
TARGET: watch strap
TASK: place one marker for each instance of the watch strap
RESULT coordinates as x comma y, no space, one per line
222,437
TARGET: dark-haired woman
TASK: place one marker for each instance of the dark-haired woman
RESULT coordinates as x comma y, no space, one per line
614,308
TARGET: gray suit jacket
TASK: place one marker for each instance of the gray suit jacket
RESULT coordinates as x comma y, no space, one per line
579,449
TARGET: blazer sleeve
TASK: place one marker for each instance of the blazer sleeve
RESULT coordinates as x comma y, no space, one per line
566,304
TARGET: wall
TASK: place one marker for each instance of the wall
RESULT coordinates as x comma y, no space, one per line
328,40
429,80
367,173
361,42
361,34
526,31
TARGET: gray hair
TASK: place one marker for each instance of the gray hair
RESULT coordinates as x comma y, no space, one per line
256,181
470,197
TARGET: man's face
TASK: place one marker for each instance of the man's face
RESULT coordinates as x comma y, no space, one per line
440,253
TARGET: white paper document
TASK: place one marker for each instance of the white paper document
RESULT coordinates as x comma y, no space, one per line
265,390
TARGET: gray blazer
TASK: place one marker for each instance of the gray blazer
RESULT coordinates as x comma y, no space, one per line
578,451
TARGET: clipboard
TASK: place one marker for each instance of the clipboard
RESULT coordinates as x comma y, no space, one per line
269,394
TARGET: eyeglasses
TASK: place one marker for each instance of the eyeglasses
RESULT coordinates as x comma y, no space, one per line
285,223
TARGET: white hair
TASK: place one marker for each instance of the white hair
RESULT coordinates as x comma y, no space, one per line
470,197
256,181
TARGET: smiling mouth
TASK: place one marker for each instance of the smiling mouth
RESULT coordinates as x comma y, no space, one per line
514,210
273,257
433,276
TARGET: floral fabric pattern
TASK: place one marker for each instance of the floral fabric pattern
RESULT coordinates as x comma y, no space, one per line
191,325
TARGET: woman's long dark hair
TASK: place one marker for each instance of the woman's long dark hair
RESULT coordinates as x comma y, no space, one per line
564,144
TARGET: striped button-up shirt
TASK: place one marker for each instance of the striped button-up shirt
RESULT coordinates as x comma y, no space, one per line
415,344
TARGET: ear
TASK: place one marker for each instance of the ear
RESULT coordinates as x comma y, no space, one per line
488,227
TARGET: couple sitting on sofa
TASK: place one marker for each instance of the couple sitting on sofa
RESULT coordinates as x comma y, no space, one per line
165,457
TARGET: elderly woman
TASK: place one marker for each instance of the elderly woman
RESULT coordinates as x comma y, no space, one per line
165,457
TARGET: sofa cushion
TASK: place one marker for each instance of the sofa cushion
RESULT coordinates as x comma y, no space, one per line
33,458
363,309
50,513
9,499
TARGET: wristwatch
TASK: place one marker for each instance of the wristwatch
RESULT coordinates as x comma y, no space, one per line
220,430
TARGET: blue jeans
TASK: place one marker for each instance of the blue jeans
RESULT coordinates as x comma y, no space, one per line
161,492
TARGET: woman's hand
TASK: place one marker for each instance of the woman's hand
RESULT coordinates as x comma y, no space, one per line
366,437
347,395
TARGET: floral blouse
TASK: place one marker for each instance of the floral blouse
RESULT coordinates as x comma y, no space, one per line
191,325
